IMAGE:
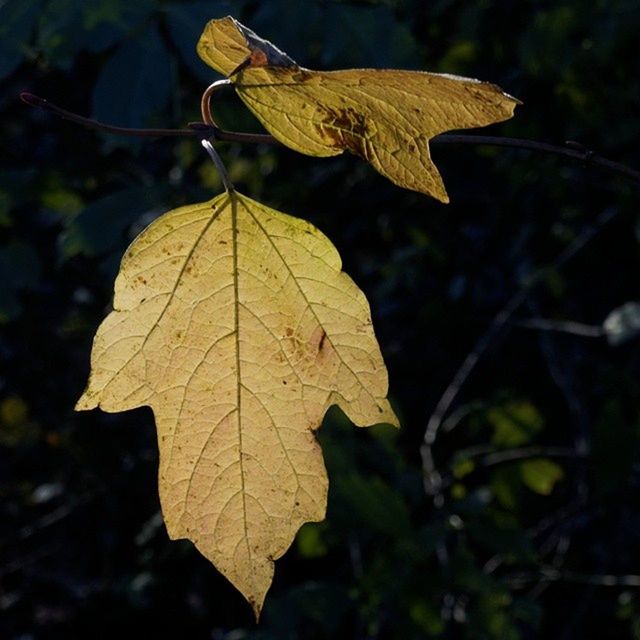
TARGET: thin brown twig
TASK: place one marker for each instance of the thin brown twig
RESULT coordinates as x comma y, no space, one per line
42,103
570,150
195,130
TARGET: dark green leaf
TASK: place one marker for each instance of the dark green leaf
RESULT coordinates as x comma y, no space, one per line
135,82
17,20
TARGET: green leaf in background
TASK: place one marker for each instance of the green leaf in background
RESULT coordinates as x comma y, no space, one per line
16,426
462,467
185,21
547,47
19,269
102,226
514,423
107,22
375,504
338,34
506,486
367,37
66,27
62,200
17,20
309,540
426,617
135,83
57,21
541,475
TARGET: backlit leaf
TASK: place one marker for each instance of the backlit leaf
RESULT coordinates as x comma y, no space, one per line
385,116
235,324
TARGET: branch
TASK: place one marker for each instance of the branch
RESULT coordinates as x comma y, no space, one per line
432,477
561,326
551,574
571,150
195,130
484,459
564,380
89,123
494,458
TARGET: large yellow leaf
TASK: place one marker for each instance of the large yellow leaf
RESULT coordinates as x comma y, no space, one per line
382,115
235,324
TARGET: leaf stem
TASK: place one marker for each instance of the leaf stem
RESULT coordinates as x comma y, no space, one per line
222,170
208,129
205,101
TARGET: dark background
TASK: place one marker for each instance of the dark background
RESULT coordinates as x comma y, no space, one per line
539,531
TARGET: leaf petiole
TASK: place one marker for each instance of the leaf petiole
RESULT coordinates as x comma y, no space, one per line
222,170
205,101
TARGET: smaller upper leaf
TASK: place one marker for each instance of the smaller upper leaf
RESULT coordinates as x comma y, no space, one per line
385,116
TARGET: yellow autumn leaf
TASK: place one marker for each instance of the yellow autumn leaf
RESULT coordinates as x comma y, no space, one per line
385,116
235,324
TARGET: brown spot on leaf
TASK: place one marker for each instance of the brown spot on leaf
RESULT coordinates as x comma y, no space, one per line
301,75
258,58
344,128
319,346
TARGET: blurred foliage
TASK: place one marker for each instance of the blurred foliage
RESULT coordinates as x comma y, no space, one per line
524,540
